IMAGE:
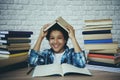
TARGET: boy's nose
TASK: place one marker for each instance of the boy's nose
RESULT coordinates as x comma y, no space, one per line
55,40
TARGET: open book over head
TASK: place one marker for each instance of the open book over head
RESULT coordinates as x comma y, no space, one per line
58,69
61,22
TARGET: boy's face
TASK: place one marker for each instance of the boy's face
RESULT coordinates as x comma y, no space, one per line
57,41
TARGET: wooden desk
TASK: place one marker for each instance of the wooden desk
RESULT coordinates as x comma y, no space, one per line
20,74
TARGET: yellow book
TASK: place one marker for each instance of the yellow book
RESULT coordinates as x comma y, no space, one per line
13,55
13,60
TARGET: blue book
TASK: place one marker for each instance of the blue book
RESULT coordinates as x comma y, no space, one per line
98,41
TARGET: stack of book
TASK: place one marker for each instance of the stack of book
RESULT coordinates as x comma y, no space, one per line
14,45
98,40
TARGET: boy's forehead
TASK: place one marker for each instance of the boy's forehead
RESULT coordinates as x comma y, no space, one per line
56,32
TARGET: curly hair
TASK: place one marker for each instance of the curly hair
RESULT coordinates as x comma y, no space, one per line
58,28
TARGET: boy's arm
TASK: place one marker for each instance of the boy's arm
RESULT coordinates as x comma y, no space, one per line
73,39
40,38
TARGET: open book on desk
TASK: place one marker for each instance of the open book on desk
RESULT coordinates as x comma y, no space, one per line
58,69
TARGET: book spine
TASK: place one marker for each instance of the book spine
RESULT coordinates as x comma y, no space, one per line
103,64
96,32
13,51
15,35
101,56
98,41
97,36
16,32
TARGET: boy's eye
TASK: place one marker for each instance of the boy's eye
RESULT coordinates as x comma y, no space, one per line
59,37
51,38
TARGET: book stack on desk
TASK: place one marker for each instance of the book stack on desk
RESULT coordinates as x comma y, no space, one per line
98,40
14,46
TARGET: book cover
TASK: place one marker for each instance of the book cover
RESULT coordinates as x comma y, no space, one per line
15,35
98,22
98,26
12,51
103,64
113,45
60,21
16,48
15,41
103,56
12,60
94,29
58,69
97,36
15,44
12,55
105,60
14,38
105,51
98,41
16,32
96,32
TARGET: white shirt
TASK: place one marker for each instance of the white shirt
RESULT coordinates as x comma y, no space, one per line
57,58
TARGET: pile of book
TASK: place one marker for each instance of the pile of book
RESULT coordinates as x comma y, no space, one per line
14,46
98,40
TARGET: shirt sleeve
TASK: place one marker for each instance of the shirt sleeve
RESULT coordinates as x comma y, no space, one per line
79,59
39,58
33,58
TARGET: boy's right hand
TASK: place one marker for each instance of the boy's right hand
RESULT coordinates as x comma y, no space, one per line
42,32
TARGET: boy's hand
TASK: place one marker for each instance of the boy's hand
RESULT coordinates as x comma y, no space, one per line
71,32
42,32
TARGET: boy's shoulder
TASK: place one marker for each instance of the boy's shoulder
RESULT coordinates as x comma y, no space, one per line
47,51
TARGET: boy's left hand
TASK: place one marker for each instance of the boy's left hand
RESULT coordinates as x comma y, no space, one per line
71,32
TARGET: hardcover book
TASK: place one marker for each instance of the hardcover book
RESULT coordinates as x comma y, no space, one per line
106,51
97,32
97,36
105,60
58,69
98,22
113,45
16,32
98,41
14,46
60,21
15,41
13,60
94,29
15,35
97,26
103,64
13,55
12,51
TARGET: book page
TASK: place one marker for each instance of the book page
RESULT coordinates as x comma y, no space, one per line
47,70
67,68
103,68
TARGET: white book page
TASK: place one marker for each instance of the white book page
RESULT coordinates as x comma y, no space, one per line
67,68
47,70
103,68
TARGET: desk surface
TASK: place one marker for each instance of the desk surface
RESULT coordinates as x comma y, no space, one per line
20,74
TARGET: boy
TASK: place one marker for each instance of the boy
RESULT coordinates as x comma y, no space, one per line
59,52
